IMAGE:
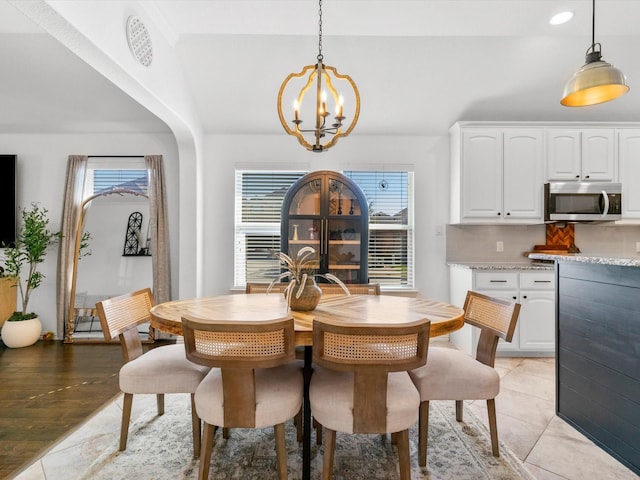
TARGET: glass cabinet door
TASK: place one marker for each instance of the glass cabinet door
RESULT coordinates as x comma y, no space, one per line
324,210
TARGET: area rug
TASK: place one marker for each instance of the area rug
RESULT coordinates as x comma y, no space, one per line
161,448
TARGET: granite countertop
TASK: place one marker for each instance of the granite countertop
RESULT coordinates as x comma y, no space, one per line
593,259
502,265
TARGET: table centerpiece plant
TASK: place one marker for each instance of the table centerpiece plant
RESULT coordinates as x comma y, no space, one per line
22,261
302,293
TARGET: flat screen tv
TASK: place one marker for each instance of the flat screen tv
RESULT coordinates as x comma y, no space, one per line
8,213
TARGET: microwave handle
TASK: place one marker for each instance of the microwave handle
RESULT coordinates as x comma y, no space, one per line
605,197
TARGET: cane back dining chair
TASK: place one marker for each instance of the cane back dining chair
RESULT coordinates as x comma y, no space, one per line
361,384
252,382
354,288
159,371
453,375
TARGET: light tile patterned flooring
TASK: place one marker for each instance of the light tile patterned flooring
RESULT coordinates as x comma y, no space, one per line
550,448
527,424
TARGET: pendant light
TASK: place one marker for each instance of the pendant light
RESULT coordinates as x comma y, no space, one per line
597,81
321,135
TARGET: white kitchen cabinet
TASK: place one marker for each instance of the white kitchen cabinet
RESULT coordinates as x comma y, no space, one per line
534,290
497,175
580,154
629,164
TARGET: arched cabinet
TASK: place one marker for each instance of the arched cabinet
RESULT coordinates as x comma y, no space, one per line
329,212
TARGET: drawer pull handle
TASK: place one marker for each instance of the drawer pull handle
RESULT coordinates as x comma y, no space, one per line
542,281
497,281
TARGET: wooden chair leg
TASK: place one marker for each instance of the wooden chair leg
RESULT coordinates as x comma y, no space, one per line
205,451
403,454
459,406
195,428
281,451
493,426
225,432
160,402
327,460
423,433
297,421
126,418
318,428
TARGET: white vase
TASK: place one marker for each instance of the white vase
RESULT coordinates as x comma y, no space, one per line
22,333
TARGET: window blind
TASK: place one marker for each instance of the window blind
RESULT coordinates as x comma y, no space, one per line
258,200
390,203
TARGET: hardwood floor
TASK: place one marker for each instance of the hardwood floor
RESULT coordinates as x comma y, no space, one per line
48,389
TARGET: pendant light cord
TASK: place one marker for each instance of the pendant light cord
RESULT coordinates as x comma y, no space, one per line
593,25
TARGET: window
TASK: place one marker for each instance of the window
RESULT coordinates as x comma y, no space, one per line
259,197
109,173
258,201
390,201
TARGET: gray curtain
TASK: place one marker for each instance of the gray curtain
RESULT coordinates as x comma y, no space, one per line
73,190
159,231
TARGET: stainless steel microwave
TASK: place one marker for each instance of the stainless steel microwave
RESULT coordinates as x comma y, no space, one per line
582,201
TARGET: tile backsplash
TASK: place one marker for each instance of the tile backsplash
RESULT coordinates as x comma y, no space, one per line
477,243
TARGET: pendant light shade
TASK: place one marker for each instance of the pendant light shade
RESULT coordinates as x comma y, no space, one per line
597,81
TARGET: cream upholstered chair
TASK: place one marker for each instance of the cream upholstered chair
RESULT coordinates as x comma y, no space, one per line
453,375
253,383
160,370
361,384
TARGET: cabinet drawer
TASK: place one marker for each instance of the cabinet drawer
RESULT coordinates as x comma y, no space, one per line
538,280
496,281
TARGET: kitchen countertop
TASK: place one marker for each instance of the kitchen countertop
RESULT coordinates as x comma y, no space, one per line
502,265
593,259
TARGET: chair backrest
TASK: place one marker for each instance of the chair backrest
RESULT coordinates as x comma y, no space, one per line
354,288
238,348
263,287
370,352
121,315
496,319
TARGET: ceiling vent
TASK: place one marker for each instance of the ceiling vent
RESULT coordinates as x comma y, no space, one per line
139,41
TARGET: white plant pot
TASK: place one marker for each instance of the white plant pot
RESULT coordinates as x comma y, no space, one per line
22,333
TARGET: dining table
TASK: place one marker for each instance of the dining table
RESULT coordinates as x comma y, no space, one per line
378,310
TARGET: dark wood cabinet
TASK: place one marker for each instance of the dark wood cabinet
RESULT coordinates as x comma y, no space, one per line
327,211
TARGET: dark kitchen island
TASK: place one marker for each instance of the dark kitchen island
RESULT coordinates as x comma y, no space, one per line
598,350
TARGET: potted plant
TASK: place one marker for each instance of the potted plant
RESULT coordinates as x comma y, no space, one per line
22,262
302,293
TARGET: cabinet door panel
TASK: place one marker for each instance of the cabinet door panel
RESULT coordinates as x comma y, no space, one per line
523,174
537,321
563,155
598,155
482,174
629,157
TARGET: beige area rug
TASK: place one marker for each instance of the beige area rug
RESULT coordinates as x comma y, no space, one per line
161,448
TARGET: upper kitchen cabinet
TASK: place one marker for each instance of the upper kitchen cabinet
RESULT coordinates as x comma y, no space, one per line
629,164
329,212
580,155
497,175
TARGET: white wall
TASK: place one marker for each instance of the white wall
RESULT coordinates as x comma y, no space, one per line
42,164
428,156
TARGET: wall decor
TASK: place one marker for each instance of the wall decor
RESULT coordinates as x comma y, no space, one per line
133,238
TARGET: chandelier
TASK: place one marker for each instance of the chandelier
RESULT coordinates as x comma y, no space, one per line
330,90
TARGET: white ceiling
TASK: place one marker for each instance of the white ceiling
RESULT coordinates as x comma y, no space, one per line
420,65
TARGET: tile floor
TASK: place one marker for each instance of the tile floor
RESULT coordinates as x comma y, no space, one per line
549,447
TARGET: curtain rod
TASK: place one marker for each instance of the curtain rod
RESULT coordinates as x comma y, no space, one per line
115,156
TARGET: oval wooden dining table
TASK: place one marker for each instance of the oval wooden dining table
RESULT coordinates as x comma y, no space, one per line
354,309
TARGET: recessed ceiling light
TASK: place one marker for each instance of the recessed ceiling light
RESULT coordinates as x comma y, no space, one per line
560,18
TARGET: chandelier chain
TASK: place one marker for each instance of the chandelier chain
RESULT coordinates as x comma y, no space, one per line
320,57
